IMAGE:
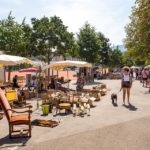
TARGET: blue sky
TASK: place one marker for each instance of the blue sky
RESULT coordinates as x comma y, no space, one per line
107,16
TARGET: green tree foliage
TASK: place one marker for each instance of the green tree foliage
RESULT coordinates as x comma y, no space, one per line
115,58
46,38
51,37
128,61
89,44
104,50
27,44
15,38
93,47
11,35
138,31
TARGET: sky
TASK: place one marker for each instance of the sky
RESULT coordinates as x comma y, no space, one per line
107,16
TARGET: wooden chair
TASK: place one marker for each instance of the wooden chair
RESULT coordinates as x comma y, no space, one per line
13,96
74,99
103,89
96,94
14,119
25,90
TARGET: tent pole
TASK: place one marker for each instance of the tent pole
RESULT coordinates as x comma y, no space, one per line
68,77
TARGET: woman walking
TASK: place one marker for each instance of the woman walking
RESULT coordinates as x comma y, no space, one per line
126,84
145,76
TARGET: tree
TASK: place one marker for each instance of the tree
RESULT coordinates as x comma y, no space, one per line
15,38
27,46
104,50
70,47
127,59
11,35
52,37
115,58
12,38
138,31
89,44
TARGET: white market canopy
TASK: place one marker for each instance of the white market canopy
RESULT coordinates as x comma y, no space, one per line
134,67
147,66
10,60
68,63
37,63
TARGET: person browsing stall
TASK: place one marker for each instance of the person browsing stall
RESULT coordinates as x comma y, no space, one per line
15,82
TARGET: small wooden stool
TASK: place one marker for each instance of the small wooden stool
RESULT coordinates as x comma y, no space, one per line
66,106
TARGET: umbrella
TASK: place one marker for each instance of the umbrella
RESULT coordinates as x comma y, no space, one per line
10,60
134,67
68,63
37,63
30,70
147,66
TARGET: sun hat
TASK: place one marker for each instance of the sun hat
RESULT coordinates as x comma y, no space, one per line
126,68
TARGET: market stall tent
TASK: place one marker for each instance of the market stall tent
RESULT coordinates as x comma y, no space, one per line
10,60
68,63
147,66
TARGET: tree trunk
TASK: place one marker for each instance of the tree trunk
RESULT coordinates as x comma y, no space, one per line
102,70
92,75
57,59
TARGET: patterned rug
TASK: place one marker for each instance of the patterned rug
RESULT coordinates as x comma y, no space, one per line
45,123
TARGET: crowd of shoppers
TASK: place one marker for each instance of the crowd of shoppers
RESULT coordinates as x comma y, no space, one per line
142,74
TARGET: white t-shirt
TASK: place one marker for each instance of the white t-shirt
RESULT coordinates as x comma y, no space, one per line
126,77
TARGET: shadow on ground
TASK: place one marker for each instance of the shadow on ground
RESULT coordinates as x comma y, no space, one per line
147,92
131,107
5,142
92,83
115,104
